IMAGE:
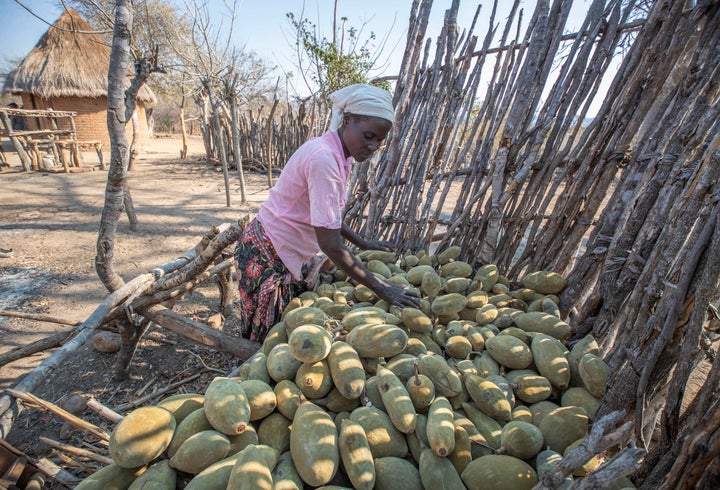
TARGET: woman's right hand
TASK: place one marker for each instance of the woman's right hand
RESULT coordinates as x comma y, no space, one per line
396,295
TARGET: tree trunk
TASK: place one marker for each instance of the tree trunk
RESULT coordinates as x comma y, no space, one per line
119,150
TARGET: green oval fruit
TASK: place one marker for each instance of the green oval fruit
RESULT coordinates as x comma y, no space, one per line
261,398
438,472
159,476
396,399
456,269
440,428
377,340
285,475
281,364
521,439
509,351
446,380
415,274
550,356
182,405
594,373
274,431
192,424
448,304
505,472
288,397
200,451
415,320
303,316
544,282
369,315
314,445
346,370
563,426
536,321
309,343
356,455
488,397
488,276
314,379
580,397
383,438
141,436
450,253
111,477
393,473
227,406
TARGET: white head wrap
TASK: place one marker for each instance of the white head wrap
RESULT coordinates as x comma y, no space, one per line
363,100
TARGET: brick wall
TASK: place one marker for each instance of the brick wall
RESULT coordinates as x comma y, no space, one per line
91,119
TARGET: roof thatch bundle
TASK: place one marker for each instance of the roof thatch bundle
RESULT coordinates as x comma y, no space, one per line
70,60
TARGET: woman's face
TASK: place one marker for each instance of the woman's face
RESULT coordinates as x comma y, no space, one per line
361,136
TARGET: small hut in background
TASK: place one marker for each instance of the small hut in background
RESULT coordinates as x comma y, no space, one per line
67,71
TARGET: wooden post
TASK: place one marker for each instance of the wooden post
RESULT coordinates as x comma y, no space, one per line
24,158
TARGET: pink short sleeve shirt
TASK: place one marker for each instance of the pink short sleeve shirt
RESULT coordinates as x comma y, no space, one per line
310,192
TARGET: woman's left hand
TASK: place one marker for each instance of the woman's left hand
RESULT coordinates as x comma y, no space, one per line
379,245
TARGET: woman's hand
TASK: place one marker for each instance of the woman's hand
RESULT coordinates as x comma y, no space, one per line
383,245
396,295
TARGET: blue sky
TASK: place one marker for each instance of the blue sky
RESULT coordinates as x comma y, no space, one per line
261,25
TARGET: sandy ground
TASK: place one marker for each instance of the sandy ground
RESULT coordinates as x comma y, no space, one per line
50,221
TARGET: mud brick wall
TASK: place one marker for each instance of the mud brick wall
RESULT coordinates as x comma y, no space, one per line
91,119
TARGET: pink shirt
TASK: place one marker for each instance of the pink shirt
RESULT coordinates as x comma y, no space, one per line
310,192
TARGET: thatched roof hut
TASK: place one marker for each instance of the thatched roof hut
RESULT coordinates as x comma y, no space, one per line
67,70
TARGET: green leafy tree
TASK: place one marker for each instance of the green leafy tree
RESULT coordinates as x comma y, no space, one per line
330,64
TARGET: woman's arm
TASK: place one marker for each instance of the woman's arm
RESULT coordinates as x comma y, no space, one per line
332,245
350,235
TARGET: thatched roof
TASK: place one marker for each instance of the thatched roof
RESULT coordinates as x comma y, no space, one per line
66,62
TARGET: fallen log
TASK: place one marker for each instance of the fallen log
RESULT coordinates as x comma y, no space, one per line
39,318
199,332
49,342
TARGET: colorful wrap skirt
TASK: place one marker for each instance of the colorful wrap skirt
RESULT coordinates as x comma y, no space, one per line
265,285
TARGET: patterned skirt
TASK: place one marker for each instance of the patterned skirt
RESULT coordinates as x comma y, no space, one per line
265,285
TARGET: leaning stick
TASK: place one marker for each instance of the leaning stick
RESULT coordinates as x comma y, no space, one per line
76,451
63,414
83,332
104,411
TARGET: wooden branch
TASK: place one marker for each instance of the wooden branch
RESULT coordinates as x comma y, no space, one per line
624,464
76,450
225,236
104,411
40,318
63,414
56,473
601,437
38,346
156,394
199,332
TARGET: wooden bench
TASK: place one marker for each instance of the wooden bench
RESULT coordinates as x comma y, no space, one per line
75,157
32,144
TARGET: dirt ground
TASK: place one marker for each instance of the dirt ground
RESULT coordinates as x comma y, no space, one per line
50,222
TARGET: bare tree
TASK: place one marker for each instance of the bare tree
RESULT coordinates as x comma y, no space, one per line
121,106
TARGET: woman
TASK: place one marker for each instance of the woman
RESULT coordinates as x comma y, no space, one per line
303,214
